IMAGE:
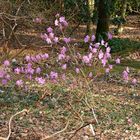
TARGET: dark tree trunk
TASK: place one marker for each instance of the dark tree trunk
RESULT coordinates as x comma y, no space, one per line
103,19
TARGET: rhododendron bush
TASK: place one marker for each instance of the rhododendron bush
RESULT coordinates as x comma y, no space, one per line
64,59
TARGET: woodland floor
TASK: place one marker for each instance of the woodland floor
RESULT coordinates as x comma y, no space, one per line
116,105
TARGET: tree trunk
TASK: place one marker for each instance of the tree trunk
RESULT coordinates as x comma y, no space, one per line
122,15
90,6
103,19
123,8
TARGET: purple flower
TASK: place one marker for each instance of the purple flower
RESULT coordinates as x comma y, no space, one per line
45,56
7,77
27,58
87,38
77,70
61,56
109,36
134,81
102,42
117,61
107,70
53,75
2,73
93,50
49,30
108,49
19,83
64,66
111,66
101,54
4,81
96,45
17,70
66,40
56,22
86,59
90,75
6,63
92,37
38,57
40,80
104,61
55,39
38,70
62,19
63,50
125,75
37,20
51,35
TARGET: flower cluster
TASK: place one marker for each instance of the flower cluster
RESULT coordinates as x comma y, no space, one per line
43,68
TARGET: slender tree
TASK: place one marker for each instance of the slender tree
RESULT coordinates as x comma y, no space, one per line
90,9
103,8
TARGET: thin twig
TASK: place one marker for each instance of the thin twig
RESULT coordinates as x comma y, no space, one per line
50,136
9,124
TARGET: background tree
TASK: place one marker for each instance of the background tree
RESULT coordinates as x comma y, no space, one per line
103,8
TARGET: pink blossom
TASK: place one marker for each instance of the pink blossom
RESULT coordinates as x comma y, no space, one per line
86,59
127,69
4,81
77,70
17,70
19,83
111,67
104,61
90,74
55,39
134,81
108,49
38,70
66,40
49,30
107,70
7,77
64,66
37,20
94,50
96,45
92,37
27,58
48,40
87,38
108,55
2,73
56,22
51,35
109,36
62,19
125,75
63,50
38,57
53,75
117,61
102,42
6,63
101,54
44,56
61,56
40,80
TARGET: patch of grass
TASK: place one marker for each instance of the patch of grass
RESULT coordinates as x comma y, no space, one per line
124,46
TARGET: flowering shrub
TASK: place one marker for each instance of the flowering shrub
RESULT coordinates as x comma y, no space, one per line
43,68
